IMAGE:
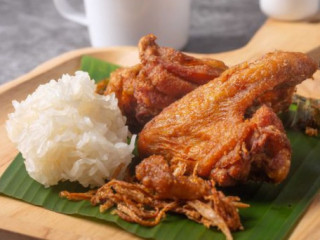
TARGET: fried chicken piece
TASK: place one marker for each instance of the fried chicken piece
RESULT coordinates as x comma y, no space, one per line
210,130
279,99
154,173
163,76
122,83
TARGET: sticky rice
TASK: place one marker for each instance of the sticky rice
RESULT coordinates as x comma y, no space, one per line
65,131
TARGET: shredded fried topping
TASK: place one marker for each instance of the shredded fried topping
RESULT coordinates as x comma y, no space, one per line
136,203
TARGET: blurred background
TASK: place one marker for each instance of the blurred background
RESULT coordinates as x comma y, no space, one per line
32,31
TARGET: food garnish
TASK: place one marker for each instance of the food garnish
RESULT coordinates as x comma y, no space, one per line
304,115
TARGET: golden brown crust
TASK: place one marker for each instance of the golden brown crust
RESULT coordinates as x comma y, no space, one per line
155,174
122,83
208,125
163,76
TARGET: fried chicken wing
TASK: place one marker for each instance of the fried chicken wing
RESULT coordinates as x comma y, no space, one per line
163,76
212,130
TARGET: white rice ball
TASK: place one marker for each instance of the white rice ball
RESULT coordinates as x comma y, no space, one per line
65,131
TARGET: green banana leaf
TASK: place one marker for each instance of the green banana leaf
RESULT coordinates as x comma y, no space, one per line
274,211
97,69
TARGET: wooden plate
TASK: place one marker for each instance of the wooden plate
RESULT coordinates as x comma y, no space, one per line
19,220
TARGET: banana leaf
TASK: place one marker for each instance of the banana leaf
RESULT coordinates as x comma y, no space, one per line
274,211
97,69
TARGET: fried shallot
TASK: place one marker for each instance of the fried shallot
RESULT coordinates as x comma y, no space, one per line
134,202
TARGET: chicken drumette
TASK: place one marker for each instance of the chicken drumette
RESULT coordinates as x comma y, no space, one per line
223,130
163,76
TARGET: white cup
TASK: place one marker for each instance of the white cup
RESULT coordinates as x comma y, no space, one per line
290,10
124,22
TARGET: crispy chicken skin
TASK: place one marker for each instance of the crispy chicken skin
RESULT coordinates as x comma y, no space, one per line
211,130
154,172
163,76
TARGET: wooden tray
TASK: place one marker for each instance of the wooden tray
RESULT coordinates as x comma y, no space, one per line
19,220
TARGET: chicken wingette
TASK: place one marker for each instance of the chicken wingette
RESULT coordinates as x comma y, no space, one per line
163,76
220,130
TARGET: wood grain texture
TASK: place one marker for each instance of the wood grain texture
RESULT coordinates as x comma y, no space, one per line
19,219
